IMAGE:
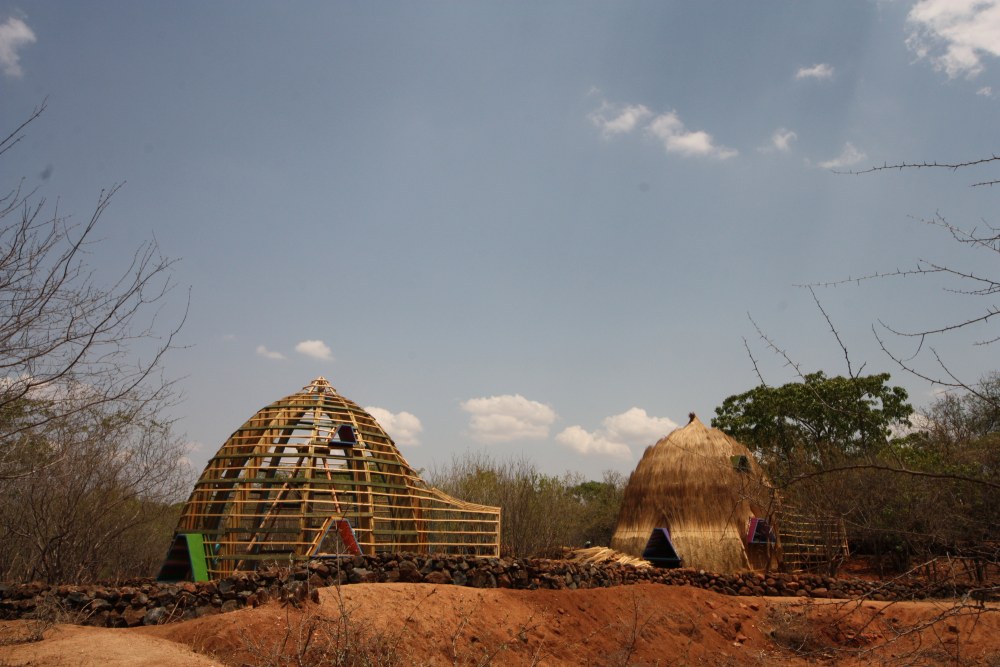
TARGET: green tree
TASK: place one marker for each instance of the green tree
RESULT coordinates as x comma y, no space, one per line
819,420
599,506
828,443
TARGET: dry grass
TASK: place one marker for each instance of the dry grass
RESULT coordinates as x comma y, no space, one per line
599,555
687,483
310,639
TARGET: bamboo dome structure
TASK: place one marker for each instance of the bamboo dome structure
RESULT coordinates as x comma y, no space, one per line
313,474
705,493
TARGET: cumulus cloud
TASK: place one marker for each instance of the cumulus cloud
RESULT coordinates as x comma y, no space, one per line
669,129
817,71
619,120
508,417
316,349
269,354
14,33
586,443
849,156
985,91
636,427
781,141
403,427
616,119
954,35
617,434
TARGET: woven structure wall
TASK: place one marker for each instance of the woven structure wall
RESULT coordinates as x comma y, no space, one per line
704,487
282,481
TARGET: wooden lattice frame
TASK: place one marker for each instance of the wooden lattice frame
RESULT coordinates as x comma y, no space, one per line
273,488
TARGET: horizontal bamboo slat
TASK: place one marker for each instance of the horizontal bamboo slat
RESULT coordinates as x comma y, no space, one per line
272,489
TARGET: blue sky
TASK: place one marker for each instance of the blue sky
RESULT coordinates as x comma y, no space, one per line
532,228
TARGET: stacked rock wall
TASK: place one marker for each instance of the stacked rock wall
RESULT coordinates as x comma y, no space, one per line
150,603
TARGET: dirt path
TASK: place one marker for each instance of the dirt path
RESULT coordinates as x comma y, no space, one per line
76,645
630,625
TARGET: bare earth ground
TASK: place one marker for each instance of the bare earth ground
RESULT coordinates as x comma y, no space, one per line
646,624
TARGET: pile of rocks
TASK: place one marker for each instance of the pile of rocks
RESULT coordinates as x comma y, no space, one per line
149,603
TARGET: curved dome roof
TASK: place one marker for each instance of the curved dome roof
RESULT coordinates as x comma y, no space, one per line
704,487
287,479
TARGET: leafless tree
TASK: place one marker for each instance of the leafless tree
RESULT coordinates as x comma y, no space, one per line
61,329
934,492
950,166
89,467
982,239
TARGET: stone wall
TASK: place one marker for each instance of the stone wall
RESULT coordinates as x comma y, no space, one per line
149,603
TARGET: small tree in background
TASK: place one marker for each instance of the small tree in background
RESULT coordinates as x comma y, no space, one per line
540,513
599,506
100,507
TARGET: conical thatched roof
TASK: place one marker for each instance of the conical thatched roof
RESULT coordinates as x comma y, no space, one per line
688,483
298,466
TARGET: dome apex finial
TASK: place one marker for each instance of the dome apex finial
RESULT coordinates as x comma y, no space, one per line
319,386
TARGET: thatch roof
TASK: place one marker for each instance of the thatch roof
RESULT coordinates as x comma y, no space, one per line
687,483
278,487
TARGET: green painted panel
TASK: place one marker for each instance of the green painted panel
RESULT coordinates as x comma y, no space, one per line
196,552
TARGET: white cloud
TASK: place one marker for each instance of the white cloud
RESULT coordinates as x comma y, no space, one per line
316,349
269,354
189,448
781,141
617,434
614,120
955,34
14,33
403,427
586,443
985,91
669,129
508,417
619,120
636,427
849,156
918,423
817,71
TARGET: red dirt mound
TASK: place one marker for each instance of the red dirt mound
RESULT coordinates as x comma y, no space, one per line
648,624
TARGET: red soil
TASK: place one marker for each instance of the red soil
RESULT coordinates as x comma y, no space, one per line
646,624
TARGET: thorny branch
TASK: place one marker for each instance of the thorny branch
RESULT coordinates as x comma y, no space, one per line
953,166
893,469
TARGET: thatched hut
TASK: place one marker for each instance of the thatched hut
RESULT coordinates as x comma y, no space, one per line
704,493
314,474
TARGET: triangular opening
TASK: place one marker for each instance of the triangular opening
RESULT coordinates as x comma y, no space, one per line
660,549
338,540
760,532
185,560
